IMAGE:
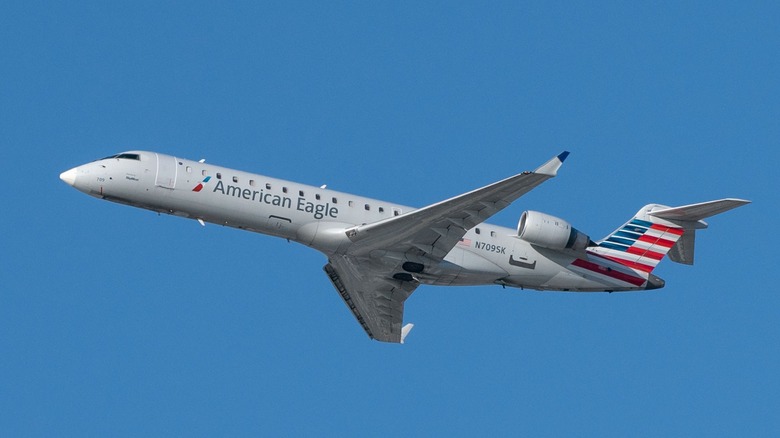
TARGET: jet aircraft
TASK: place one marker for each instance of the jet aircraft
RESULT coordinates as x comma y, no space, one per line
380,252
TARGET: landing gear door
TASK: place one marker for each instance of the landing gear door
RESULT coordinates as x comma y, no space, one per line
166,171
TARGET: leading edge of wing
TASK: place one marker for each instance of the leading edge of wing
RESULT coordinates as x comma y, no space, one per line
450,218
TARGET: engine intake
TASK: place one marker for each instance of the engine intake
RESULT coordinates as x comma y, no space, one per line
550,232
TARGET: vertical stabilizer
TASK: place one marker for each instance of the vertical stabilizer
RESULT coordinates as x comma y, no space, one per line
658,230
642,242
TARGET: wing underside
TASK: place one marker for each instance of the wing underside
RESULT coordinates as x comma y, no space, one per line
377,302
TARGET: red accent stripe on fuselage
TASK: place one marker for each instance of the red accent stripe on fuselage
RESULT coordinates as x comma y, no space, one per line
609,272
630,264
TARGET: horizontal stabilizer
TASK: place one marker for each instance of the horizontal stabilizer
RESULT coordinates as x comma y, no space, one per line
697,212
690,218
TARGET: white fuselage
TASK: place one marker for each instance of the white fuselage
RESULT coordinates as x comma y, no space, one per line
318,217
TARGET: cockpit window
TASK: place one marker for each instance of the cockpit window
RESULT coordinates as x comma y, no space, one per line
123,156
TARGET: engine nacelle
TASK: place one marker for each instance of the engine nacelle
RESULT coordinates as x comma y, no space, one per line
550,232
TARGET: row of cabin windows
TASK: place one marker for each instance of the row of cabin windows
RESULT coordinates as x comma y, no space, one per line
300,193
284,190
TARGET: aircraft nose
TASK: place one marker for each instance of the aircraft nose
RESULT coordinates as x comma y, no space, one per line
69,176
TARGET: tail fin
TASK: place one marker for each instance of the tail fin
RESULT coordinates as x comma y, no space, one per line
657,230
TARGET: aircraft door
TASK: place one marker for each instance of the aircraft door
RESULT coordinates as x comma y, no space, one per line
166,171
279,224
522,258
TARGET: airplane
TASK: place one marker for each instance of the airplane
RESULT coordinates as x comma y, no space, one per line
380,252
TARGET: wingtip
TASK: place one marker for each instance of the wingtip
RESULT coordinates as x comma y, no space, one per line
551,167
405,331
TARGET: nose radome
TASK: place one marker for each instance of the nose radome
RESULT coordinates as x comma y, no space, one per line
69,176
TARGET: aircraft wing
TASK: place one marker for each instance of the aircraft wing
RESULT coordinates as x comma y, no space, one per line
371,286
434,230
373,296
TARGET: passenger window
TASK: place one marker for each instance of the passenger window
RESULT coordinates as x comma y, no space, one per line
189,169
381,209
252,182
268,186
300,193
368,207
204,173
351,203
235,179
476,230
317,196
492,234
284,189
219,175
335,201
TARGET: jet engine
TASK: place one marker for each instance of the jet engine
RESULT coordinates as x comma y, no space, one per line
550,232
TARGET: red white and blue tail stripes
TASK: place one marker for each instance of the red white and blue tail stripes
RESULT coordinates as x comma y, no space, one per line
625,259
639,244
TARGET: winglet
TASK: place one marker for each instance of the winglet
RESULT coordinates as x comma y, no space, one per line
405,331
551,167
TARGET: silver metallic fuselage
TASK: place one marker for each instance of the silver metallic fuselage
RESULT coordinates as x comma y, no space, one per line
318,217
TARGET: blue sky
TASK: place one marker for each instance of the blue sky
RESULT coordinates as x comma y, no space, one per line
118,322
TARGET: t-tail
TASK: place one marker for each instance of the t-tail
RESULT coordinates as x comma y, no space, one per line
658,230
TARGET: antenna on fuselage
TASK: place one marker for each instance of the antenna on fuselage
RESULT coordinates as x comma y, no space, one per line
202,160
